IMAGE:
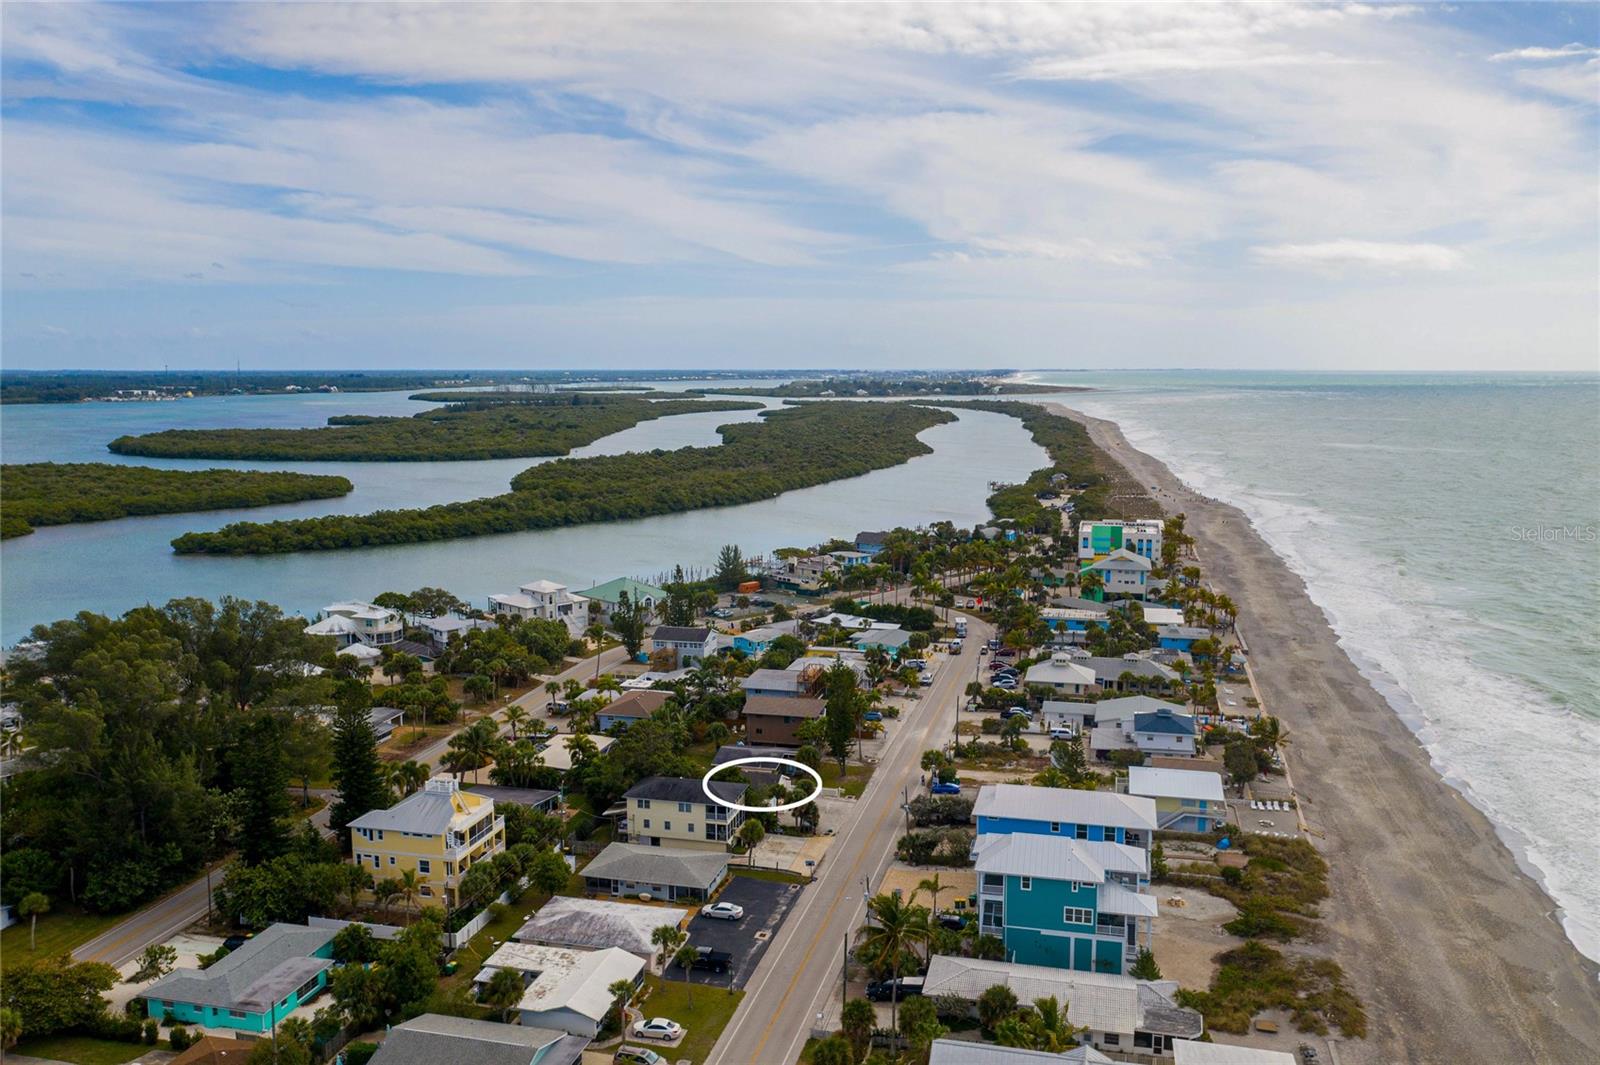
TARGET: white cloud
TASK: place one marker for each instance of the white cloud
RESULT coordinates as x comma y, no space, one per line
1536,54
1359,253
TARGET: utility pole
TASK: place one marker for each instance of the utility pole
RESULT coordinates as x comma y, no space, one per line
844,975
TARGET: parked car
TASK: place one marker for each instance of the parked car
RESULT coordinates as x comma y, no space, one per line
994,645
762,602
941,787
1006,671
658,1028
903,988
916,663
1015,711
953,921
925,678
716,961
1008,683
637,1056
955,645
1059,733
234,942
873,715
722,911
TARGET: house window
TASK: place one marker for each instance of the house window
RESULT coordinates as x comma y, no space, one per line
391,859
236,1013
647,822
305,989
1055,826
644,804
1080,832
690,829
424,866
1026,883
377,862
666,826
1112,1039
425,892
1077,915
684,808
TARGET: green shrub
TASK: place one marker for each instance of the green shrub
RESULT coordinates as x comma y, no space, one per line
359,1053
152,1031
180,1039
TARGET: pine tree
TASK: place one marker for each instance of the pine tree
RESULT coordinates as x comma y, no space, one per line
730,567
261,773
627,620
357,772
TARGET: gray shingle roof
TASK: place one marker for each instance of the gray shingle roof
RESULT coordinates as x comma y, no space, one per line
782,706
685,789
772,680
262,971
657,865
433,1038
680,634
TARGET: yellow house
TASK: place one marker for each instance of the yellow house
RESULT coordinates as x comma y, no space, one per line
440,831
675,812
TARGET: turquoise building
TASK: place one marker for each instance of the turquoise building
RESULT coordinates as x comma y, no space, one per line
253,988
1065,903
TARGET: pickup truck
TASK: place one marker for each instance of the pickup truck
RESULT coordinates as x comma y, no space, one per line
716,961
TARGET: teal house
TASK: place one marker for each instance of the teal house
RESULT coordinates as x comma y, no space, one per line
1065,903
253,988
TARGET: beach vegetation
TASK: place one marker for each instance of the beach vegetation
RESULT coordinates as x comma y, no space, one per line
792,448
1253,978
67,493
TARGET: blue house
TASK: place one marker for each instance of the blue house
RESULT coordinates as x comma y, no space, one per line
870,543
1180,637
629,707
754,642
886,639
252,988
1064,903
1066,813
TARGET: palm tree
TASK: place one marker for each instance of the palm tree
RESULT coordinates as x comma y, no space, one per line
410,775
751,833
685,956
356,880
475,745
594,634
516,716
384,892
410,885
621,992
667,937
932,886
32,905
1045,1027
895,929
504,991
581,748
552,689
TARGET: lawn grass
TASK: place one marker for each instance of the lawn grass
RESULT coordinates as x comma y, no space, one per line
59,933
702,1009
852,782
80,1049
469,958
781,876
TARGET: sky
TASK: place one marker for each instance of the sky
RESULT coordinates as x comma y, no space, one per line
808,185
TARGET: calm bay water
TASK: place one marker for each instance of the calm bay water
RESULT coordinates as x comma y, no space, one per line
109,567
1449,527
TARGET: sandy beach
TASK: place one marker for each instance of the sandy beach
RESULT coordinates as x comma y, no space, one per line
1456,953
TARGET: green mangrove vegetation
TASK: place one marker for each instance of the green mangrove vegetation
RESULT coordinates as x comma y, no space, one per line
796,447
536,427
51,493
525,394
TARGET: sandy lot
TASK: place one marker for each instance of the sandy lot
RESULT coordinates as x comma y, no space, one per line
1455,952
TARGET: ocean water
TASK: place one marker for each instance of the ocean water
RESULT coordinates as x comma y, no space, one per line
110,567
1449,527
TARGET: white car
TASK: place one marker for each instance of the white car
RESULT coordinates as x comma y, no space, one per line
657,1028
722,911
925,679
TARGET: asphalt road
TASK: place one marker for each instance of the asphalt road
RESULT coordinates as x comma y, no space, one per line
802,965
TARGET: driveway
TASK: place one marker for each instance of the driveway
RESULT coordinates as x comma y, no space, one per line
766,903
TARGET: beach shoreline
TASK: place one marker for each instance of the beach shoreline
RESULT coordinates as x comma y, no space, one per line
1455,950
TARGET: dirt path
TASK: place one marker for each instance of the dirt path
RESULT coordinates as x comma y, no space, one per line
1456,953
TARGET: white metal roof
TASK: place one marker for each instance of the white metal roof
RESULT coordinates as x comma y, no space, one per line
1174,784
1104,1002
1059,673
1114,898
1030,854
1192,1052
1066,804
558,756
575,980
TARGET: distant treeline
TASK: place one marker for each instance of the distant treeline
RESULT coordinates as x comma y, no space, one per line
50,493
534,428
1104,489
845,387
17,386
792,448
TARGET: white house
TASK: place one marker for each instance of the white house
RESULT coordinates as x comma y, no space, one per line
806,573
1122,573
1061,674
547,600
689,644
440,629
1194,1052
1186,801
1097,539
357,622
568,990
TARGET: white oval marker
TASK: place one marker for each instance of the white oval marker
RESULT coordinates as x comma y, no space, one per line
705,785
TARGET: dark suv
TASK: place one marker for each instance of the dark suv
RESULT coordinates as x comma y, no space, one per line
716,961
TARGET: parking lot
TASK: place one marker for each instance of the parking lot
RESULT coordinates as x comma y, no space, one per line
766,903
